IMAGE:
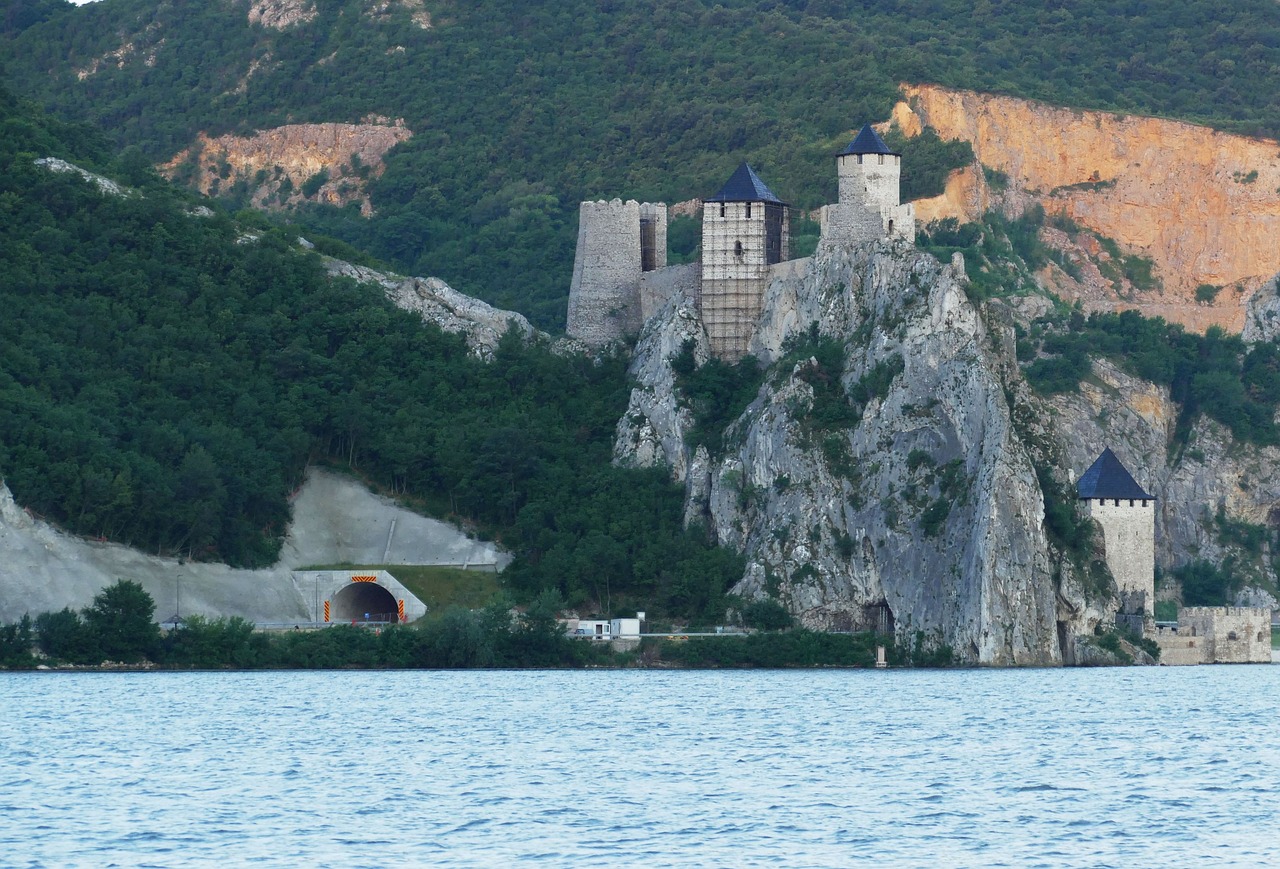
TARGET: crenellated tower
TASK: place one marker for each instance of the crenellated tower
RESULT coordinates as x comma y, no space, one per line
617,243
1126,513
745,229
869,204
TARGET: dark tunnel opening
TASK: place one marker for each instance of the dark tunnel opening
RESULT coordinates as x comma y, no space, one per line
364,601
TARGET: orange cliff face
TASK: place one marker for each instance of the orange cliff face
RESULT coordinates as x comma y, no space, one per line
277,164
1203,205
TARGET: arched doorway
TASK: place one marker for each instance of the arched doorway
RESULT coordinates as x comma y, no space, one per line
364,601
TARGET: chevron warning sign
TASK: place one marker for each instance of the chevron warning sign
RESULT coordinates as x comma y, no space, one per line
401,609
326,611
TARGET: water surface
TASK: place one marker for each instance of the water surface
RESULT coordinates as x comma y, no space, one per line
1126,767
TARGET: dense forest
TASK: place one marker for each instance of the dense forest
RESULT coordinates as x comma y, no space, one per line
520,112
166,375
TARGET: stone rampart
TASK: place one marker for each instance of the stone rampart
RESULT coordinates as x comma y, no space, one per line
657,287
1232,635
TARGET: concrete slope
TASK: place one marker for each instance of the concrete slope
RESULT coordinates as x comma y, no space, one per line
335,520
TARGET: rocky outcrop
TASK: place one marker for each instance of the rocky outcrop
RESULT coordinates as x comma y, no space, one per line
104,184
1204,205
281,14
284,166
436,302
920,511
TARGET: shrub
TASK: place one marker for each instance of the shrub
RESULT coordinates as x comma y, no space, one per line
766,614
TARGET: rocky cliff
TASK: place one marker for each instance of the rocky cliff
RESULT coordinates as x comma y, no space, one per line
1203,205
481,324
885,485
281,167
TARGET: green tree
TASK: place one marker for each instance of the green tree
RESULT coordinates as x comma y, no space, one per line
122,616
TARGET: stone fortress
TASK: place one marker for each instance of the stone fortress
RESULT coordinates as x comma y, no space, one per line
621,279
620,272
1204,635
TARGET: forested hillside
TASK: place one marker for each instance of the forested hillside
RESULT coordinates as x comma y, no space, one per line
167,373
518,112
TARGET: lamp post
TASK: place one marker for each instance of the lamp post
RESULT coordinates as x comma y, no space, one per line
315,612
177,605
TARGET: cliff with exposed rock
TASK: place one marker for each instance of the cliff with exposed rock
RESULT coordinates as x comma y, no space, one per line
281,167
1203,205
920,509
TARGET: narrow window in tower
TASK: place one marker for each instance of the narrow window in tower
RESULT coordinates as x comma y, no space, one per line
737,248
722,209
891,227
882,159
748,211
859,159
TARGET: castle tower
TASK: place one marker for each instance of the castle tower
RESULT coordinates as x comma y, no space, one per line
868,206
745,229
617,243
1126,513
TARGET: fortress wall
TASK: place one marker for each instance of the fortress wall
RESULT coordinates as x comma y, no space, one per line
604,303
849,224
657,287
1178,649
1231,635
1130,537
904,221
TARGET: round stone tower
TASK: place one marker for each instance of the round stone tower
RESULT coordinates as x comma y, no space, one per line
870,174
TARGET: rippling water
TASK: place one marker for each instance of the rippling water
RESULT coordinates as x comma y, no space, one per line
1130,767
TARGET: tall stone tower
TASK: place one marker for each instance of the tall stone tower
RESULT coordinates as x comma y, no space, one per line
868,206
617,243
745,229
1126,513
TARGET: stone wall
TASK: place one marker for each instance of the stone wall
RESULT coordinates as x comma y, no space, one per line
604,298
657,287
1217,635
1130,535
1231,635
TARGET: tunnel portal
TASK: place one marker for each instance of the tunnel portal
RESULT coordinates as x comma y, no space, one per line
364,601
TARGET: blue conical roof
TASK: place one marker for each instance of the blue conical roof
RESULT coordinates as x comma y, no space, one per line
867,141
1108,478
744,185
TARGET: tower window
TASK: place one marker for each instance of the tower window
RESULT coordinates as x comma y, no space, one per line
882,159
748,209
722,209
737,248
891,227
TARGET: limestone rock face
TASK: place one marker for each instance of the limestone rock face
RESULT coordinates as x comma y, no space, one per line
1202,204
436,302
278,163
652,432
926,512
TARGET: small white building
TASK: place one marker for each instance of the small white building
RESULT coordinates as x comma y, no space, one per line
605,629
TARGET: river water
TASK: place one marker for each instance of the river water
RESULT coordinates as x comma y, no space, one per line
1122,767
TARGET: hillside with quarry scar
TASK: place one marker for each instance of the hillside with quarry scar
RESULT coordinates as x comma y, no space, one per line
1203,205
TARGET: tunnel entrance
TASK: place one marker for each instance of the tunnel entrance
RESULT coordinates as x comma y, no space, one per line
364,601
